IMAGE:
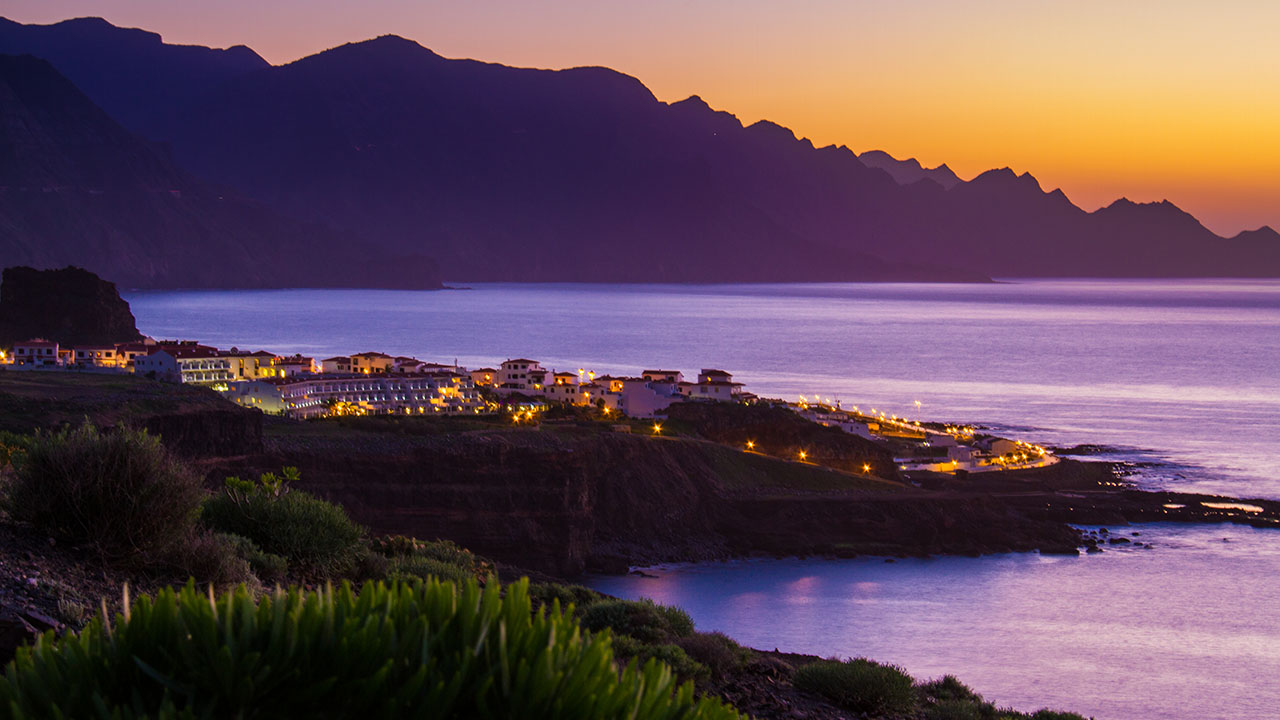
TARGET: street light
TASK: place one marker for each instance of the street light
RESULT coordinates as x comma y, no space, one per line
657,428
751,445
803,455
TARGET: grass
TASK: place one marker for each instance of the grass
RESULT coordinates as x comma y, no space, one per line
34,400
860,685
427,650
741,470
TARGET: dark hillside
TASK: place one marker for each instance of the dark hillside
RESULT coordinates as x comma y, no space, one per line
78,189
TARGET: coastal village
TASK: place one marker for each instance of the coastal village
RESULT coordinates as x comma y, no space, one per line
375,383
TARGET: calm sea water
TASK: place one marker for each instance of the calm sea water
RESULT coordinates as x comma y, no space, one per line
1180,377
1187,630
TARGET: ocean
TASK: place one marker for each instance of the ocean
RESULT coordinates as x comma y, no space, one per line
1179,378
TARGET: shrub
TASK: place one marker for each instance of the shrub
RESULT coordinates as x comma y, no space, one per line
209,557
13,448
715,650
860,685
1047,714
576,596
315,537
952,709
271,569
685,667
627,648
120,491
641,619
416,566
949,687
409,558
427,650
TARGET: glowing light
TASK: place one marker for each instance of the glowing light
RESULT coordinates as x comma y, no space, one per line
803,455
866,468
657,428
751,445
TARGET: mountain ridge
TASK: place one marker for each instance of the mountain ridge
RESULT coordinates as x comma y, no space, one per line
510,173
76,188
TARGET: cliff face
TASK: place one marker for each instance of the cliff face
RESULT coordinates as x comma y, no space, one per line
565,501
71,306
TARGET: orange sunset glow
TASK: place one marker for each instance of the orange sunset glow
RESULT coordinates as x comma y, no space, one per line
1102,99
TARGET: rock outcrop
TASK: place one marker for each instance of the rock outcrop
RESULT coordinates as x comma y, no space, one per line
70,306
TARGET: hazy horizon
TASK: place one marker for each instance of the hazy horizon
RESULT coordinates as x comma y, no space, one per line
1102,101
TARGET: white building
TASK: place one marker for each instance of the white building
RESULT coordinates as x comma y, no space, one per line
191,364
37,352
305,396
521,375
712,385
104,356
340,364
296,365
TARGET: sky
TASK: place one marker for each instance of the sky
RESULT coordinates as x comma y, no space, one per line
1145,99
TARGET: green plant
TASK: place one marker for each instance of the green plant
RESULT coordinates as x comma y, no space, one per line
576,596
953,709
641,619
948,687
120,491
410,557
1047,714
685,667
209,557
424,650
13,448
315,537
415,566
627,648
269,568
860,685
715,650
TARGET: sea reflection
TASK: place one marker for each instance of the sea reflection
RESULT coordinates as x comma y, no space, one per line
1131,633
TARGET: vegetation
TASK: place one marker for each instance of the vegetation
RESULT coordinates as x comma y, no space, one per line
315,538
120,492
390,650
860,685
576,596
426,649
643,620
717,651
409,558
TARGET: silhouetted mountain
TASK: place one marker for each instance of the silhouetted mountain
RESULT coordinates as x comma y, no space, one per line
516,174
76,188
70,306
130,73
905,172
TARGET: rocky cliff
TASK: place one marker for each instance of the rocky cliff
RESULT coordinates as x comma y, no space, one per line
567,500
71,306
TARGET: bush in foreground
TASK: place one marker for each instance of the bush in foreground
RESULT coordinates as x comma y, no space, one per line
315,538
120,492
860,685
426,650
